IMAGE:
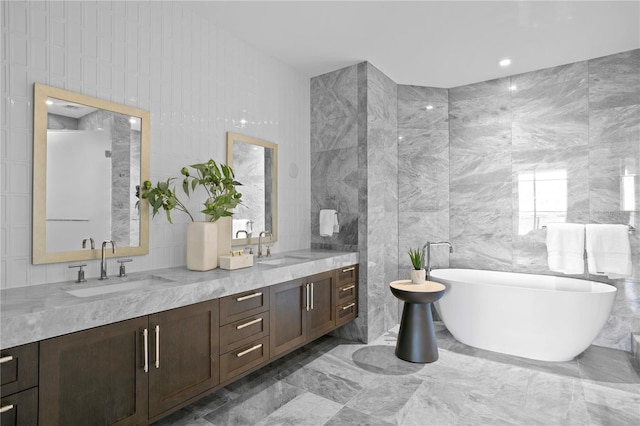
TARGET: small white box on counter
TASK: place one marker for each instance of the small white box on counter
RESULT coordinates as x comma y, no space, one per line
230,262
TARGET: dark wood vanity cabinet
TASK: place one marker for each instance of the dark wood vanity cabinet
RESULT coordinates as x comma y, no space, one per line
19,381
95,376
305,309
183,355
130,371
244,332
140,370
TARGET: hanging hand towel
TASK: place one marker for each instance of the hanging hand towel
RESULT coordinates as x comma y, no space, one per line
565,247
328,218
608,250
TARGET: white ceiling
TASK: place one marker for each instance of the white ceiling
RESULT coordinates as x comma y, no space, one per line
430,43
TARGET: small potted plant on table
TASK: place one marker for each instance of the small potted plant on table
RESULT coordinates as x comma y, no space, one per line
418,274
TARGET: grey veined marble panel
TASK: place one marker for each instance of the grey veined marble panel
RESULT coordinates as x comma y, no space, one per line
480,154
614,80
614,125
551,116
422,108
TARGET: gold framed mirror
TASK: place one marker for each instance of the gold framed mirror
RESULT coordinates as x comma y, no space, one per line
255,165
89,158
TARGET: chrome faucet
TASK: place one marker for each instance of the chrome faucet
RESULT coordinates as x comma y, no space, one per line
428,247
263,233
103,261
84,243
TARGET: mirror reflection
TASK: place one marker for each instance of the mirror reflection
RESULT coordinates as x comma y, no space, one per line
93,158
254,162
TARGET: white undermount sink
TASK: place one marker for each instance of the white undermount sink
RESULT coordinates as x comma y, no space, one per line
281,260
114,285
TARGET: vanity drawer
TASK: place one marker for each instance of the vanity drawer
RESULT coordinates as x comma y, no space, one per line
346,293
244,358
243,332
348,274
346,312
20,409
18,368
241,305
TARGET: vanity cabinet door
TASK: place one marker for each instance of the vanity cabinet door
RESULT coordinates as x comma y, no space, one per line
288,316
183,355
95,377
321,313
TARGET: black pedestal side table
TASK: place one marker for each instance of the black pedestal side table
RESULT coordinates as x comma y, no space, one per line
417,337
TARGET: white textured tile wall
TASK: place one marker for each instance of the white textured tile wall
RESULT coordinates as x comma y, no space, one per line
197,81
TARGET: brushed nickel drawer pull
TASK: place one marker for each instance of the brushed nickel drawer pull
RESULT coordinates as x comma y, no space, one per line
247,324
307,301
350,305
243,353
249,296
349,269
5,359
348,288
6,408
157,346
145,335
312,296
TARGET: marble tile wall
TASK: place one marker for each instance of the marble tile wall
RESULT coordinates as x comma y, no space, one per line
423,172
197,81
382,201
354,165
573,131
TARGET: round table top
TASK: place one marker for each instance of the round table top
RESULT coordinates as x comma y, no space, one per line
427,287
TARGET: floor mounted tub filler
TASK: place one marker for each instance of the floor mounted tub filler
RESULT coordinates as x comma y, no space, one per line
540,317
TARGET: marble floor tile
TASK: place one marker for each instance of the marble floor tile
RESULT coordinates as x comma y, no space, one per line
435,403
337,382
256,407
386,397
307,409
349,416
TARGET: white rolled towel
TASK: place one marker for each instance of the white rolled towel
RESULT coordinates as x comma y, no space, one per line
565,247
608,250
328,219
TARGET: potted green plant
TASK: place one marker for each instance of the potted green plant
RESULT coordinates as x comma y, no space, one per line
219,184
418,274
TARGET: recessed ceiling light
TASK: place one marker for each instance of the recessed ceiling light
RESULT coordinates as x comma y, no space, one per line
429,107
505,62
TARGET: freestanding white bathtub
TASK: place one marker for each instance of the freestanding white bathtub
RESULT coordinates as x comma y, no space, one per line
540,317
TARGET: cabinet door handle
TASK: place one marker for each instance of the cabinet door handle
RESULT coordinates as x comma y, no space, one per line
348,269
248,296
348,288
350,305
312,296
6,408
307,301
145,336
251,349
247,324
157,346
5,359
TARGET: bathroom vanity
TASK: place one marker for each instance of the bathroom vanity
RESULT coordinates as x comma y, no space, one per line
135,355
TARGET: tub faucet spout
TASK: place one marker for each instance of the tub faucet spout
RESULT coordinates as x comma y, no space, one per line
428,259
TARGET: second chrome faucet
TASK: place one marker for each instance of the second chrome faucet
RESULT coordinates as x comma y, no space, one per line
103,260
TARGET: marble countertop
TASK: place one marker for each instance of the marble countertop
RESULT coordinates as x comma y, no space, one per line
29,314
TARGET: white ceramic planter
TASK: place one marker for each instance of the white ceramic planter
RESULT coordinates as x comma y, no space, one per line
202,246
418,276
